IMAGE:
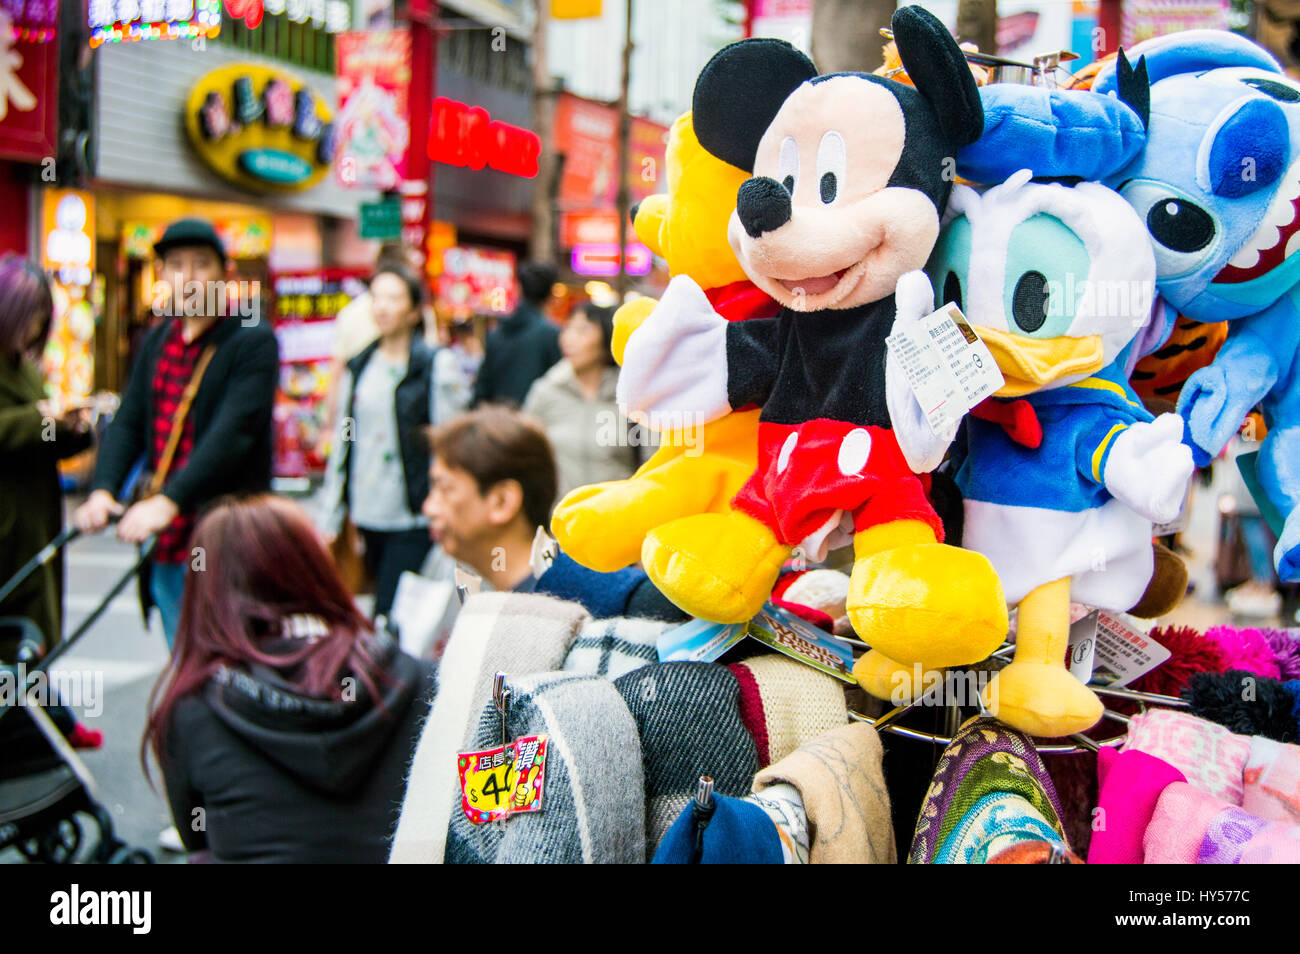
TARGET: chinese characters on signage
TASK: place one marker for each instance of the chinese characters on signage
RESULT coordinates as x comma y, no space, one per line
260,128
462,135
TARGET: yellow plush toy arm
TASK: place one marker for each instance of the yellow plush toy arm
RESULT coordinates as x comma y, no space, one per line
628,319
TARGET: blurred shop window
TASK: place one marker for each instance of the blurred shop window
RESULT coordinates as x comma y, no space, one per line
465,48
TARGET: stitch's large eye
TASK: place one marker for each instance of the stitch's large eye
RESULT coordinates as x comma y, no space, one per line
1180,225
830,165
788,168
1186,236
1029,302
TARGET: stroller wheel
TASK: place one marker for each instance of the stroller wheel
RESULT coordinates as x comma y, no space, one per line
127,855
56,846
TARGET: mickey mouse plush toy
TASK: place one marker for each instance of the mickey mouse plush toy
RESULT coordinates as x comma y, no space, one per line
850,174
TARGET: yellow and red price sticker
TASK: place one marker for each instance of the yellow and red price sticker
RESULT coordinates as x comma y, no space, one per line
502,781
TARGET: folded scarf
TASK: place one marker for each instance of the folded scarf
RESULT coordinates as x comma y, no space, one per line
1272,781
1131,783
1210,757
984,758
842,785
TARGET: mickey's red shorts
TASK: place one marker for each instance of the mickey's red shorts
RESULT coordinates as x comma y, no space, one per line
808,472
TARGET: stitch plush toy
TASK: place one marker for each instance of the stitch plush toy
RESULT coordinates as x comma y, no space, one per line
695,470
1218,185
850,174
1064,471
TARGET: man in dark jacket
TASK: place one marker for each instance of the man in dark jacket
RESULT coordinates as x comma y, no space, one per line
524,345
225,439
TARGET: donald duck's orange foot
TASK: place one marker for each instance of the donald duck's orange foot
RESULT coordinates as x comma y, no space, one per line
1041,699
924,602
717,566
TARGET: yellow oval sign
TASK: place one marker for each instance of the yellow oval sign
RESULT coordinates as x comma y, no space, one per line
260,128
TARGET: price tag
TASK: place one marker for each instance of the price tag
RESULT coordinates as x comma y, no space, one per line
947,366
498,782
1124,652
1179,523
530,774
1082,647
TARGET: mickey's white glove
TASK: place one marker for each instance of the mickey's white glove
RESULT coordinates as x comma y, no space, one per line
674,371
922,448
1149,467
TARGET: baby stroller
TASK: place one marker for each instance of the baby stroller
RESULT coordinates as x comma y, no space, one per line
49,809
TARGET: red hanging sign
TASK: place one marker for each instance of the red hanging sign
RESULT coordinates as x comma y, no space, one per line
462,135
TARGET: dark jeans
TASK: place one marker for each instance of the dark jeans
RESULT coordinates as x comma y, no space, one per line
389,553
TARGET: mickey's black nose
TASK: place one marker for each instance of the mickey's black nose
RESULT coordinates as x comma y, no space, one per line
763,205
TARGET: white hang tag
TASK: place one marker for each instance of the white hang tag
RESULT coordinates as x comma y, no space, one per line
1082,647
1124,651
947,366
543,554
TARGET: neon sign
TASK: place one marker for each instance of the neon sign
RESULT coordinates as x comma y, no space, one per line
600,259
260,128
461,135
126,21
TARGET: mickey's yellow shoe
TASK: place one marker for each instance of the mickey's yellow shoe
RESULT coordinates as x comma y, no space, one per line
717,566
924,602
891,680
1041,699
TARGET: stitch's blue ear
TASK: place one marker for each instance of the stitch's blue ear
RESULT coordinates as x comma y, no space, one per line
1189,52
1056,133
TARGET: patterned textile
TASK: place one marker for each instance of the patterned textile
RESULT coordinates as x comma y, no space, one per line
983,758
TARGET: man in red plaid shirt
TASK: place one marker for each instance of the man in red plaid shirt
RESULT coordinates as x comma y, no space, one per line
225,441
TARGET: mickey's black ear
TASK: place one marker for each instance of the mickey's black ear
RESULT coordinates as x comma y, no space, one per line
739,92
1133,86
935,64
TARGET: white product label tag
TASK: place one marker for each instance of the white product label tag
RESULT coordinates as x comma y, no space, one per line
1124,652
1179,523
947,366
543,553
1082,647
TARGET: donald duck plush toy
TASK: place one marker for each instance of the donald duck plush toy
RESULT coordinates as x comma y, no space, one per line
1063,471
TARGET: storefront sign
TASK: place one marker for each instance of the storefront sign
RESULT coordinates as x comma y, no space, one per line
374,69
462,135
586,132
1143,19
476,281
68,251
381,220
32,21
243,238
29,95
68,235
260,128
126,21
600,260
304,310
584,228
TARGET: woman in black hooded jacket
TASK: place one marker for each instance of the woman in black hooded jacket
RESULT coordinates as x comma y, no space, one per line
284,724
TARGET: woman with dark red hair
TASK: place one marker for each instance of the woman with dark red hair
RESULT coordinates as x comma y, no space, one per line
283,723
35,433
